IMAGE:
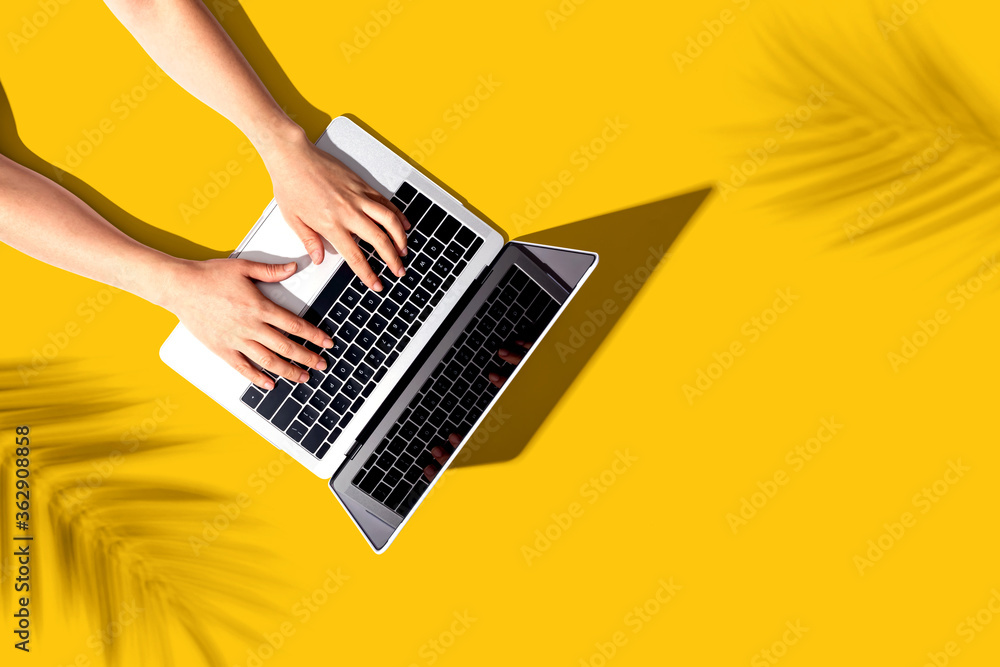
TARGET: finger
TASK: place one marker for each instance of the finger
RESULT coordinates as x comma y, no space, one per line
312,240
509,357
455,439
398,220
267,273
370,232
282,319
271,339
431,471
496,380
356,259
248,370
439,454
266,358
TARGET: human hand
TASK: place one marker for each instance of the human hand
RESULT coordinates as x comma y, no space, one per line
320,198
219,303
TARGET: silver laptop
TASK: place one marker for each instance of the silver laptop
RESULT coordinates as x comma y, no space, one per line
414,367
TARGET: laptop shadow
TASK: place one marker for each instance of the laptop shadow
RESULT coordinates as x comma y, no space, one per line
631,243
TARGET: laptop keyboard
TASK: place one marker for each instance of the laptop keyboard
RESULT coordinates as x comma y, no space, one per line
369,329
457,392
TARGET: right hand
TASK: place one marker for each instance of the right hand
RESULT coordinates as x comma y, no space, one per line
219,303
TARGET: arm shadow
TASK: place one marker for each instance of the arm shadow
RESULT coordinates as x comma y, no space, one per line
236,23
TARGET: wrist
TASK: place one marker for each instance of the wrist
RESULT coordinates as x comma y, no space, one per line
277,138
164,281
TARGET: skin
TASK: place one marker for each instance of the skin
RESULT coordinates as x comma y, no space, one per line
217,300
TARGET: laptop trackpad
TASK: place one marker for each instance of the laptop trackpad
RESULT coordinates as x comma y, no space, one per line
275,243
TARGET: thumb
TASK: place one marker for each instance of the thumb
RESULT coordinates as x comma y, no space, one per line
312,242
268,273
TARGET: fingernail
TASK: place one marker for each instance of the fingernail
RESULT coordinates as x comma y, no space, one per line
408,225
290,266
493,377
377,286
316,258
268,385
437,451
321,365
304,377
502,352
400,272
327,342
403,252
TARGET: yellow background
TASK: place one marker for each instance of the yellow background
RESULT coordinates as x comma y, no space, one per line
666,517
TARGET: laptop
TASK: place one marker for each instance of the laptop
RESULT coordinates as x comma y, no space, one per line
414,367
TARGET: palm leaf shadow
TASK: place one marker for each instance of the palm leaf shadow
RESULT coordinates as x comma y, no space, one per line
905,149
122,543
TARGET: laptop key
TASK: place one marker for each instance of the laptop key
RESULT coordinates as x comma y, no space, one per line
399,294
296,430
339,312
309,415
274,398
302,393
412,278
285,414
317,434
347,332
252,396
454,252
397,496
431,220
465,236
340,404
370,300
331,385
371,480
343,369
352,388
363,372
329,419
470,253
415,209
433,248
359,317
415,241
377,324
365,339
392,476
381,492
354,354
447,229
409,312
350,298
388,309
386,343
374,358
323,449
406,192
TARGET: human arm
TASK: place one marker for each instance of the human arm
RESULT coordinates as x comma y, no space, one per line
215,299
318,196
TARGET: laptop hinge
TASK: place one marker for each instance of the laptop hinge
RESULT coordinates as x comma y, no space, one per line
355,448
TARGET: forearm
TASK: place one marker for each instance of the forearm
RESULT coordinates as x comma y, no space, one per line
186,41
49,223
